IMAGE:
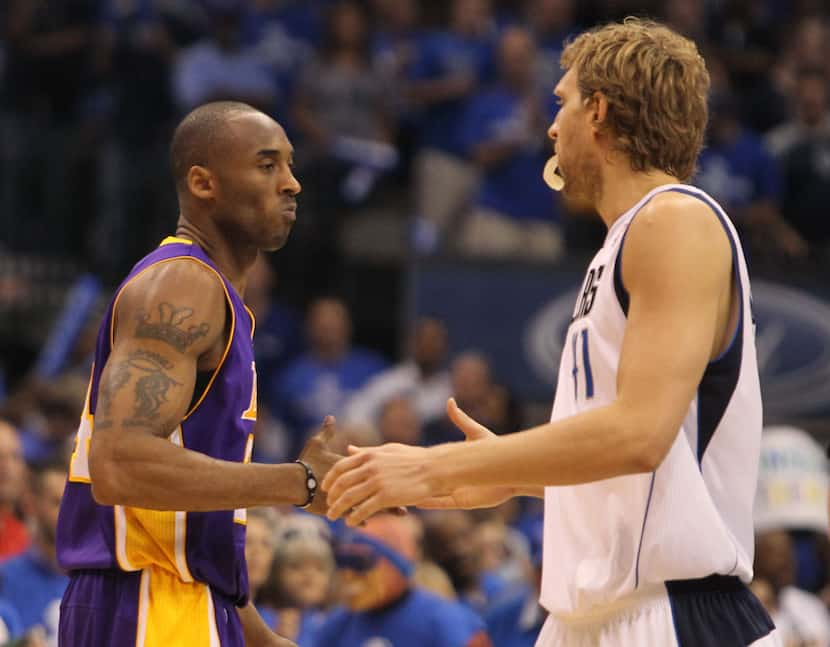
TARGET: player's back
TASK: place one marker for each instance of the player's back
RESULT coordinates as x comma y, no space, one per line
690,518
203,547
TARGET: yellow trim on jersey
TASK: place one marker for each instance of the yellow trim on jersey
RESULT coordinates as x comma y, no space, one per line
172,612
227,346
227,298
79,461
253,319
240,515
170,240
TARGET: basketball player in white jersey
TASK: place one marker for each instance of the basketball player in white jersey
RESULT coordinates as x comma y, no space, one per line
648,466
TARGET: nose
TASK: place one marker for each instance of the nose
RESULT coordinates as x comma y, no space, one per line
553,130
292,185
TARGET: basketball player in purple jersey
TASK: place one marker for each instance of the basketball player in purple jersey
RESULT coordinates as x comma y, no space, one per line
152,524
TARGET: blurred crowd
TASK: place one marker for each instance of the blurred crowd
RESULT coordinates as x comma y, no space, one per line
420,132
431,115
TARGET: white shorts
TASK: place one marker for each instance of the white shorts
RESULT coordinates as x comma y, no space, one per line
723,614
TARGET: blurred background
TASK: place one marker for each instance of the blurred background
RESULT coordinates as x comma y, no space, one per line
429,259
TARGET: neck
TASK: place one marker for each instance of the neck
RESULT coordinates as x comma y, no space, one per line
622,188
233,262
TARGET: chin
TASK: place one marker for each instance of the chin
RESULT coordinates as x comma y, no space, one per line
275,244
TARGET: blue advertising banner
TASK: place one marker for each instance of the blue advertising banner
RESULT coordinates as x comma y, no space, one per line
517,316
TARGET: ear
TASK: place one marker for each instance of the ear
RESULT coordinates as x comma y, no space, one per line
201,182
599,110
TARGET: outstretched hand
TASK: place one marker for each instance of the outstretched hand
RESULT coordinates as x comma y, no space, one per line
469,496
320,457
375,479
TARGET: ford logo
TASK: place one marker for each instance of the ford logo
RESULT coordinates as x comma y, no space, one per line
792,340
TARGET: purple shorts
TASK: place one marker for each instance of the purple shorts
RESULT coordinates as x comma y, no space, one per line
149,608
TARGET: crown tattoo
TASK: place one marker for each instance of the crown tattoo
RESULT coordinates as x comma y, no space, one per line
171,327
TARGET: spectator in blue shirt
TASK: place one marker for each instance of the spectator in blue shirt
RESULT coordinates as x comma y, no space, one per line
449,542
382,607
517,618
320,381
33,583
505,134
552,22
450,67
222,67
736,169
10,625
279,333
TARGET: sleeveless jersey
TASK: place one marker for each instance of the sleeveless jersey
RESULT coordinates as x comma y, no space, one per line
195,546
692,516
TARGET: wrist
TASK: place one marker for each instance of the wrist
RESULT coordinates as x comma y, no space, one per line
297,492
437,470
310,484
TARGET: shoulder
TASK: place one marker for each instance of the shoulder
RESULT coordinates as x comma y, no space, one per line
676,226
678,212
185,275
180,291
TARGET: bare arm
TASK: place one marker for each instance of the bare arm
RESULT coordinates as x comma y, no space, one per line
677,269
166,320
255,630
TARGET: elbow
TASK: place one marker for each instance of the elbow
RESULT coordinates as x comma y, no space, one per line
104,478
648,459
649,445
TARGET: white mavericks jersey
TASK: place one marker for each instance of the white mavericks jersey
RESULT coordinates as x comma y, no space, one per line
692,516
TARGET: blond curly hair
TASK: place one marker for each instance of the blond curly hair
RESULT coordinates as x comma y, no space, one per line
656,84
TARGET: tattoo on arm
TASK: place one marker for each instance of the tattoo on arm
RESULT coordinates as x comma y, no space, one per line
151,388
172,326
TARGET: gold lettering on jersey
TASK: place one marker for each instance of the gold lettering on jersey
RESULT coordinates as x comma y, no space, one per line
250,413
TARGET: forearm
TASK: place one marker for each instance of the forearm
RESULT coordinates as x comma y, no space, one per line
254,629
587,447
151,472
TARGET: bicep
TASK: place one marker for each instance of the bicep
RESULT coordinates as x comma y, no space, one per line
145,386
675,280
161,330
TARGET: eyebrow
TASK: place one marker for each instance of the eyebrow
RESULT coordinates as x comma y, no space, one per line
274,152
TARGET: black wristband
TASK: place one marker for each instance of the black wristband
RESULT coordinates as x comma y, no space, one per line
310,484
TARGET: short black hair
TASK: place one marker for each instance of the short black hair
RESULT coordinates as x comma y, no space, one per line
198,135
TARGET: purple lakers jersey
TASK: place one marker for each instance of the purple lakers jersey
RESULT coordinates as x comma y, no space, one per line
193,546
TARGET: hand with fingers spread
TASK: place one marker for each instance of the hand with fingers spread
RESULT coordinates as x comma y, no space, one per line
320,458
